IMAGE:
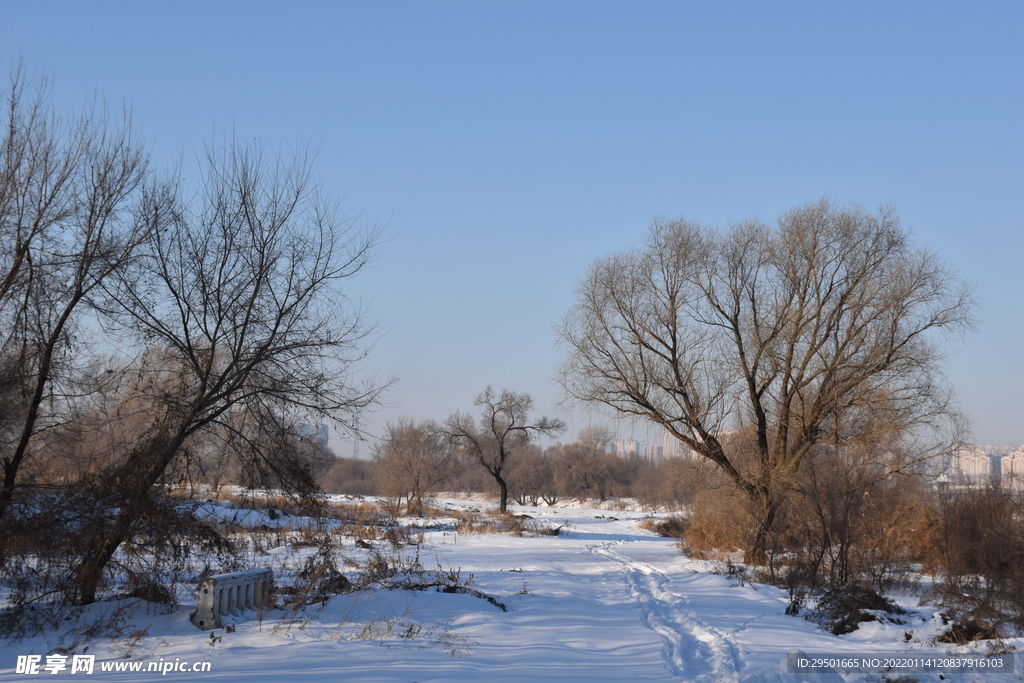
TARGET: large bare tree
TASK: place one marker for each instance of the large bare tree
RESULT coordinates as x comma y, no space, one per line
825,329
240,310
67,187
504,426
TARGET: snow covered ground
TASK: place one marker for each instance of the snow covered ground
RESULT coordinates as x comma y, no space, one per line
602,601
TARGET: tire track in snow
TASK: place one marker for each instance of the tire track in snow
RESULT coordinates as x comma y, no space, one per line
693,649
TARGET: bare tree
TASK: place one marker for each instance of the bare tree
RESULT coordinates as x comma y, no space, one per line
530,476
67,184
979,551
351,476
412,460
825,328
504,427
584,470
240,294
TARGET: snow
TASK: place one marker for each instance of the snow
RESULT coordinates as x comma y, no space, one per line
602,601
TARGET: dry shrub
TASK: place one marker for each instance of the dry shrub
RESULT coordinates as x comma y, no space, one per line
273,503
719,523
362,512
669,527
843,610
397,536
433,512
980,552
849,518
472,522
364,521
495,522
147,589
968,631
649,523
394,571
307,537
894,532
317,580
360,531
44,539
351,476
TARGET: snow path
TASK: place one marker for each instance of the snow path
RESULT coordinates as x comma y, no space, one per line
693,649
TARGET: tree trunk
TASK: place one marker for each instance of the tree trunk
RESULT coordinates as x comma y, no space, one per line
133,485
87,579
503,486
13,464
758,551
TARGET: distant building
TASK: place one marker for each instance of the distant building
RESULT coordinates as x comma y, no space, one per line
625,447
654,453
976,466
671,447
1013,470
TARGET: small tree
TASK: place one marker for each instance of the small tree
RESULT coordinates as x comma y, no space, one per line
584,470
530,476
504,427
412,460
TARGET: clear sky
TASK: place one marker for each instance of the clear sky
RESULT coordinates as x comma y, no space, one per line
507,145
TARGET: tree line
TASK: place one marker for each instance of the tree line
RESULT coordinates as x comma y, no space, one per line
417,459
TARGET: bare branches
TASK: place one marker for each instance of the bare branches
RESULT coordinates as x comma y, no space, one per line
229,302
412,460
826,328
247,286
67,186
238,309
504,426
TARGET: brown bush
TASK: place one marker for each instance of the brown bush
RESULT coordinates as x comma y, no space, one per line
979,553
669,527
351,477
967,632
719,523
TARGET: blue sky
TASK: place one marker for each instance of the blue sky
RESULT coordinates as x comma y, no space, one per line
507,145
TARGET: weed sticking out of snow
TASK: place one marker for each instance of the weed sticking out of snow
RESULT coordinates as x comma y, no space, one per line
739,573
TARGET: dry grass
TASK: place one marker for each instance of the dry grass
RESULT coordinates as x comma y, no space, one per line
490,522
669,527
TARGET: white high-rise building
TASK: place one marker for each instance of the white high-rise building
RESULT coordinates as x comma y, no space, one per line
625,447
1012,476
654,452
974,466
671,447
